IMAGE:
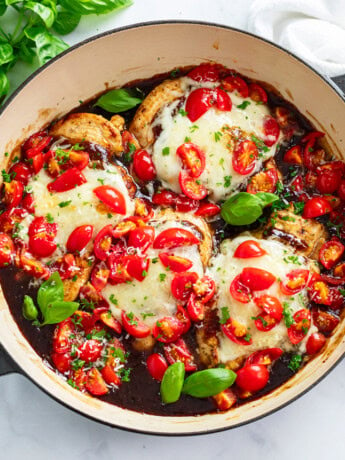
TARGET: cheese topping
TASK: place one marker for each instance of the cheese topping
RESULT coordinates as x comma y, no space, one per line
279,261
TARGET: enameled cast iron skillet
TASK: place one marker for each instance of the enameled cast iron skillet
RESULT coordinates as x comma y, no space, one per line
137,52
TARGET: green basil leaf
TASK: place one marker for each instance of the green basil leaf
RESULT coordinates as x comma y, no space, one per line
30,311
48,46
58,311
6,53
3,7
266,198
119,100
44,12
241,209
11,2
4,84
172,383
50,291
66,22
26,51
84,7
208,382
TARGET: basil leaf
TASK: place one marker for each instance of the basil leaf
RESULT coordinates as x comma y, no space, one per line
58,311
172,383
267,198
84,7
66,22
208,382
4,84
119,100
3,7
30,311
241,209
6,53
48,46
50,291
45,13
26,51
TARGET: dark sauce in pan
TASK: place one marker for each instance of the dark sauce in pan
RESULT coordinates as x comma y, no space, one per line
142,392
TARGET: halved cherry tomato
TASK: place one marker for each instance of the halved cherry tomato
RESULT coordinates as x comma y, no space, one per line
294,155
193,158
79,159
175,263
118,268
143,209
311,157
79,238
20,171
95,383
67,181
334,201
324,321
41,237
271,312
341,190
109,320
336,299
237,332
28,203
257,93
182,316
180,202
225,399
37,162
141,237
67,266
295,281
299,329
253,377
271,130
297,184
185,204
99,276
143,165
264,181
312,136
328,180
62,362
192,187
207,210
103,242
79,378
175,238
36,144
195,308
315,342
112,198
156,365
32,266
137,267
202,99
339,270
90,350
204,288
182,285
123,228
205,72
249,249
330,253
178,352
244,157
13,193
61,339
264,357
256,279
319,291
134,326
239,291
83,320
168,329
315,207
284,117
235,83
7,250
110,376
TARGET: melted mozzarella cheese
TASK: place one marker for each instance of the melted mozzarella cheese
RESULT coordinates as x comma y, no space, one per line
151,299
84,206
279,261
219,176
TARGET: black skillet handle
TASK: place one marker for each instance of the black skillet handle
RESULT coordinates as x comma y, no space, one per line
340,82
7,365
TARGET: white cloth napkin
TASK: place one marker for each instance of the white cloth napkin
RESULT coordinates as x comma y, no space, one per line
312,29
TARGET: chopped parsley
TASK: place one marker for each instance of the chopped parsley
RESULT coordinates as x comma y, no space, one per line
162,277
5,176
193,128
132,321
299,206
279,187
247,337
166,151
227,181
244,105
260,318
260,144
182,112
225,315
113,300
146,315
49,218
287,314
63,204
295,363
217,136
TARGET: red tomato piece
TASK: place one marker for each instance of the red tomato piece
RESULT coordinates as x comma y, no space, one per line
271,131
319,291
134,326
62,336
36,143
156,365
41,237
324,321
182,285
13,193
205,72
79,238
207,210
257,93
99,277
315,342
294,155
193,158
264,181
62,362
312,136
110,376
112,198
235,83
175,263
68,180
341,190
7,250
295,281
252,378
108,319
271,312
137,267
244,157
141,238
67,266
90,350
225,399
168,329
182,316
316,207
118,268
103,241
124,227
202,99
204,288
236,332
297,184
164,198
299,329
32,266
239,291
79,159
21,172
28,203
192,187
143,165
175,238
95,383
37,163
195,308
330,253
257,279
328,180
179,352
339,270
264,357
249,249
185,204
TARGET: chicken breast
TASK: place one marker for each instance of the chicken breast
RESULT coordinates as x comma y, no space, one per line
72,287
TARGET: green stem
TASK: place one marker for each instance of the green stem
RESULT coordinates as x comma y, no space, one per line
18,25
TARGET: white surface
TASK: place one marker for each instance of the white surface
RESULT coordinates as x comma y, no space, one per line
33,426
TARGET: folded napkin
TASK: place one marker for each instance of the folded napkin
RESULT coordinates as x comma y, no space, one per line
312,29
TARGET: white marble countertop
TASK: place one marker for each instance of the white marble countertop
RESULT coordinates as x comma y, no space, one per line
33,426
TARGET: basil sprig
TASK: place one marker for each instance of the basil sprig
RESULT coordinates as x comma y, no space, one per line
245,208
50,301
120,100
172,383
208,382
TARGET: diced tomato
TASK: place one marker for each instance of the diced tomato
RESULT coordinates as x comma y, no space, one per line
297,184
256,279
182,285
294,155
13,193
168,329
271,312
156,365
253,377
182,316
28,203
225,399
315,342
205,72
33,266
37,163
141,237
99,276
271,131
62,362
244,157
195,308
295,281
7,250
110,376
95,383
118,268
237,332
339,270
134,326
235,83
257,93
193,158
202,99
324,321
207,210
330,253
239,291
312,136
319,291
83,320
21,172
79,378
90,350
249,249
79,238
299,329
264,357
112,198
36,143
10,218
41,237
328,180
316,207
108,319
143,165
79,159
264,181
67,181
185,204
175,238
61,339
103,241
204,288
137,266
178,352
334,201
192,187
67,266
175,263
